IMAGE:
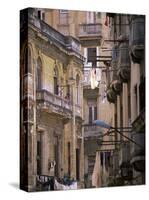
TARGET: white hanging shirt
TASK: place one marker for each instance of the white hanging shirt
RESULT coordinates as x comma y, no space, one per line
94,82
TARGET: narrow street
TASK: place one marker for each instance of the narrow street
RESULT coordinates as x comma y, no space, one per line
82,99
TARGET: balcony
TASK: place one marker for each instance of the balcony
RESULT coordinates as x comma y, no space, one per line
92,131
124,63
90,93
52,103
62,41
137,38
73,44
138,152
90,33
89,29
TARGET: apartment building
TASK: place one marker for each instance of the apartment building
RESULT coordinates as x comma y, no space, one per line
126,91
65,49
51,103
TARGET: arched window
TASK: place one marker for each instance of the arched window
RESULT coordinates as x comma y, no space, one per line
39,74
55,80
77,88
27,61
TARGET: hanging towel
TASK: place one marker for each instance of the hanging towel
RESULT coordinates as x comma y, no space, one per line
96,176
94,81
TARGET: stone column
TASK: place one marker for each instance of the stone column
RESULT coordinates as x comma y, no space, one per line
73,128
82,161
28,119
31,158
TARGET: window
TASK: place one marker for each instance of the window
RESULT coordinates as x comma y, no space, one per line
38,74
136,96
68,92
27,61
56,81
92,113
86,58
142,94
91,55
107,160
129,105
77,88
63,17
121,114
120,27
41,15
95,112
56,154
39,154
91,17
78,164
101,158
69,159
115,53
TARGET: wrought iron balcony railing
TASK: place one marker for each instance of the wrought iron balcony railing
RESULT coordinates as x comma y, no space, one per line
68,43
91,130
55,103
90,29
48,100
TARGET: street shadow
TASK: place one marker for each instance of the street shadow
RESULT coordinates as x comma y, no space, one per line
15,185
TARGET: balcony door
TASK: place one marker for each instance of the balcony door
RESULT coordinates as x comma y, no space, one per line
39,154
77,89
92,111
90,18
78,164
39,75
27,61
63,17
56,89
56,155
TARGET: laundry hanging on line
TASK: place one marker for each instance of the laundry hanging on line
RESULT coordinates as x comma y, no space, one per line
59,186
94,82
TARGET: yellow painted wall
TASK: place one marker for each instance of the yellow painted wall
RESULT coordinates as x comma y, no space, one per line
48,65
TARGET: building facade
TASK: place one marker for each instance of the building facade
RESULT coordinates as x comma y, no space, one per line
78,67
51,103
127,93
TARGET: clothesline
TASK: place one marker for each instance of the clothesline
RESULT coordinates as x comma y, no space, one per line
59,186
